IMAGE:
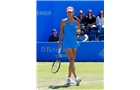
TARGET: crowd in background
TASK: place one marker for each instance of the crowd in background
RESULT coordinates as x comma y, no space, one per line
92,27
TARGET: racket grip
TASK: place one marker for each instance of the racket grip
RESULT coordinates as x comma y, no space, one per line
59,50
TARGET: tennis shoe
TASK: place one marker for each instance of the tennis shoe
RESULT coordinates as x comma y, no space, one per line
78,80
70,81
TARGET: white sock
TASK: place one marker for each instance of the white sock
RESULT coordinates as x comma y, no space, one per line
77,78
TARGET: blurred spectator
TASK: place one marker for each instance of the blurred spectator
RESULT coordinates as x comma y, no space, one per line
78,32
53,37
82,18
90,21
100,21
82,37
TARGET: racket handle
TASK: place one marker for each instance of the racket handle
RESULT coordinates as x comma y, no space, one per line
59,50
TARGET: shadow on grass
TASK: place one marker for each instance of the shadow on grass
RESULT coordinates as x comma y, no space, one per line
59,86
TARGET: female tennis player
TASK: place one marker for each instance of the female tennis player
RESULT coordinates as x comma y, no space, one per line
68,28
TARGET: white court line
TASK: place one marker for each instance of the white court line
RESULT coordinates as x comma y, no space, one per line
93,82
81,83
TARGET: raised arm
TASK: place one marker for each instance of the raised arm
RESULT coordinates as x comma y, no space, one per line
78,23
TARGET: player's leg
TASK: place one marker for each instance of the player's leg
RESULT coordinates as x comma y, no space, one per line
71,60
77,79
70,71
69,80
74,52
70,57
74,55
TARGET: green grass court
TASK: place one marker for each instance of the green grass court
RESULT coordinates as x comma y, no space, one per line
91,74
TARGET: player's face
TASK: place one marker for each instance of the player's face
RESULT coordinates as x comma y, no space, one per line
70,14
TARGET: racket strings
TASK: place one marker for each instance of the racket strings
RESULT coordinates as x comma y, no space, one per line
56,66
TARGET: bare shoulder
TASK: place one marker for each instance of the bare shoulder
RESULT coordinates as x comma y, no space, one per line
63,21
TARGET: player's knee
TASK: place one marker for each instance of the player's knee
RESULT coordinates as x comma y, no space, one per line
71,59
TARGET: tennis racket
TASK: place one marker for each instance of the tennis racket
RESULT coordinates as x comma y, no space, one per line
56,64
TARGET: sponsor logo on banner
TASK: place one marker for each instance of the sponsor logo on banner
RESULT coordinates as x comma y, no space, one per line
44,13
61,55
48,49
101,53
42,49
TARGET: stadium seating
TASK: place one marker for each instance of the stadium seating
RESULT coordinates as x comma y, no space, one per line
92,36
101,36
